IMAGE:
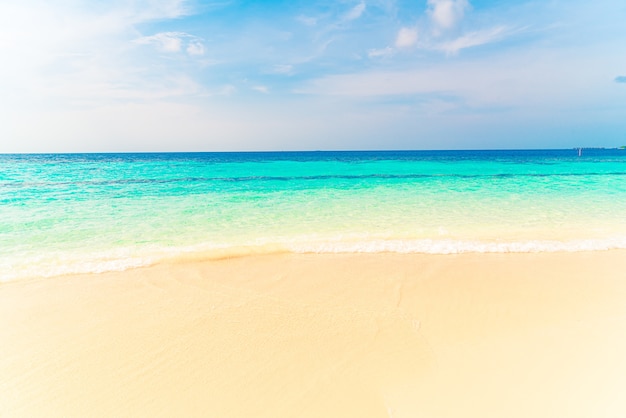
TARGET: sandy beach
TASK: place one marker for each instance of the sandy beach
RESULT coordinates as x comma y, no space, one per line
378,335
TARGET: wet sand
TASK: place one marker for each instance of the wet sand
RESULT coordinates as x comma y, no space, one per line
370,335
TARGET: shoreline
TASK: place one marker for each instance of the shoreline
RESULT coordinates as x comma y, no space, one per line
371,335
104,263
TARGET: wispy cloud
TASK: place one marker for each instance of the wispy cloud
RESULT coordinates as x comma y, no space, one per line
165,41
408,38
443,32
286,69
355,12
146,10
472,39
173,42
381,53
307,20
332,24
261,89
520,81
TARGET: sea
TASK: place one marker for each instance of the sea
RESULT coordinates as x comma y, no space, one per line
91,213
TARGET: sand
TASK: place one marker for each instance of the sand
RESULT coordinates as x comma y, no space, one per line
386,335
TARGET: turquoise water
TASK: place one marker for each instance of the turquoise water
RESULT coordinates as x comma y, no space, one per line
97,212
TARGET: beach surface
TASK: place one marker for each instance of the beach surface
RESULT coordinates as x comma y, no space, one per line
343,335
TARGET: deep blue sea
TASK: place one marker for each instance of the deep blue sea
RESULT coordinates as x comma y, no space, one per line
71,213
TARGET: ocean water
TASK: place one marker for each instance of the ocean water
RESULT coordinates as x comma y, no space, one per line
71,213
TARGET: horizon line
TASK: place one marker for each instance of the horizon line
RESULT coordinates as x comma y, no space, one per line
311,151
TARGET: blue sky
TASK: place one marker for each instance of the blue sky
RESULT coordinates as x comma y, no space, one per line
178,75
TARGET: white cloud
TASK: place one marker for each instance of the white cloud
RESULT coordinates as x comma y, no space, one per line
355,12
286,69
173,42
307,20
472,39
146,10
195,48
381,53
406,38
446,14
165,41
520,82
104,87
78,54
261,89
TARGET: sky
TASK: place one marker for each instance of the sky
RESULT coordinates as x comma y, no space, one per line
192,75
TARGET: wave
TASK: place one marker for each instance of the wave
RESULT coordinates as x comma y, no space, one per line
128,258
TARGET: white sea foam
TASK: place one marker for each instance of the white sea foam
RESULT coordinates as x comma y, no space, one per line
448,246
61,264
127,258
